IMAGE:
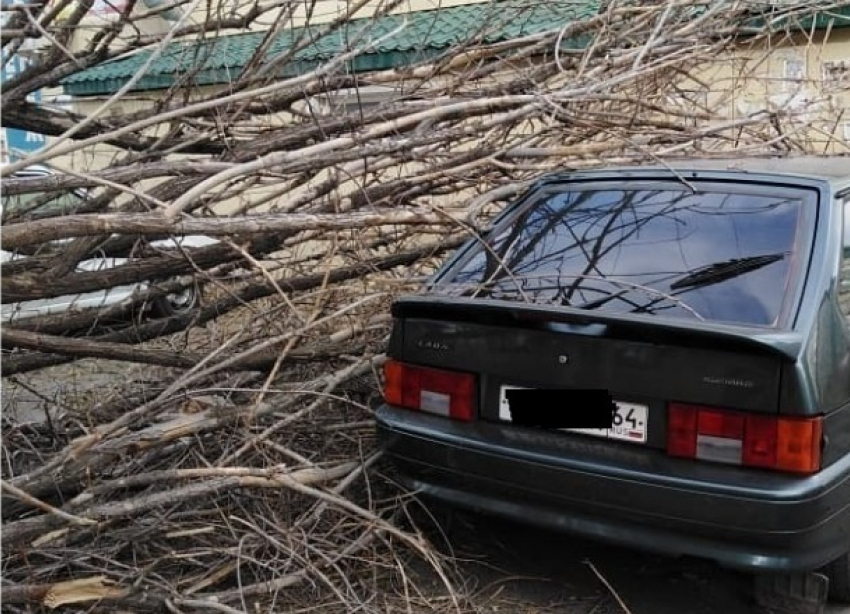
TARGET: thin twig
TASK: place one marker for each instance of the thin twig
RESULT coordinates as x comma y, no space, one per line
45,507
607,584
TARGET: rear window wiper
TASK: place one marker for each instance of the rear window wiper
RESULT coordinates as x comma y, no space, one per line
721,271
704,276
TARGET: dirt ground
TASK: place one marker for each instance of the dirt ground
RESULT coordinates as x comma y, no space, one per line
525,570
531,571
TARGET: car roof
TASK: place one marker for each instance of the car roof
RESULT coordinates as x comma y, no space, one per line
832,169
33,171
825,167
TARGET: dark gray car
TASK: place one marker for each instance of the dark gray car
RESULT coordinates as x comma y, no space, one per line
705,307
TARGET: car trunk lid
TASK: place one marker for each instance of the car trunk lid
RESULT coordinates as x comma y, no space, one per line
639,364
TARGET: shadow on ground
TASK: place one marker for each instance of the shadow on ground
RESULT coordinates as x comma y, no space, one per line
520,569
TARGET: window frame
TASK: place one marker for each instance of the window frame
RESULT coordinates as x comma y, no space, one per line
351,100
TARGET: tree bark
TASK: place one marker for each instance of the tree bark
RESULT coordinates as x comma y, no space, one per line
16,236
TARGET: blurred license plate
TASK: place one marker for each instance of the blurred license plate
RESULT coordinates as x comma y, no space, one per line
629,422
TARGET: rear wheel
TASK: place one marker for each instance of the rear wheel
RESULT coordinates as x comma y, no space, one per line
791,593
838,573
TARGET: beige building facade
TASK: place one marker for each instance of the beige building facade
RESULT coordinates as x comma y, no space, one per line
803,78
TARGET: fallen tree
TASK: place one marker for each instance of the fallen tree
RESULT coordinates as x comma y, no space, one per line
221,457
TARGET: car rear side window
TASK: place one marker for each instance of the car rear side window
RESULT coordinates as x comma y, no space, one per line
706,254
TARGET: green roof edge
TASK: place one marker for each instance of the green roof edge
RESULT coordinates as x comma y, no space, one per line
368,62
76,85
838,17
79,85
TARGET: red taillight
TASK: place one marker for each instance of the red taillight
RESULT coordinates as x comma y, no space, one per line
773,442
760,444
682,431
798,445
720,424
445,393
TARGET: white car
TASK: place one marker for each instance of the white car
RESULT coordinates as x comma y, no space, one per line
68,202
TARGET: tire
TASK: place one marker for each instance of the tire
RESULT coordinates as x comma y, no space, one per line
838,573
178,303
791,593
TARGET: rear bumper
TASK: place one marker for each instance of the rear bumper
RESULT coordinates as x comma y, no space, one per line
625,494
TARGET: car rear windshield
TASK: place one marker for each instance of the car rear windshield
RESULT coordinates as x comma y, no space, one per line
704,254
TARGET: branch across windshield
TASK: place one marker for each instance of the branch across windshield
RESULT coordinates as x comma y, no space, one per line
709,255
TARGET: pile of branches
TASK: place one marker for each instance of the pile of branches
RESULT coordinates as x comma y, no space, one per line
230,466
222,503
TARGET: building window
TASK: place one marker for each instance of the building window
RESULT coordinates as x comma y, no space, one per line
366,98
836,75
353,100
793,69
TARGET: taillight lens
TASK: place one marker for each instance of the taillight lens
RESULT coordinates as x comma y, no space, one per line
681,432
773,442
798,445
445,393
760,445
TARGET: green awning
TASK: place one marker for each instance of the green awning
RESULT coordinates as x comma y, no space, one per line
424,35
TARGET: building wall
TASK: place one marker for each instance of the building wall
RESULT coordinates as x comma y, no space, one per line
805,80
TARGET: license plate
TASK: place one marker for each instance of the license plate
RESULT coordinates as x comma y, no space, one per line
629,423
